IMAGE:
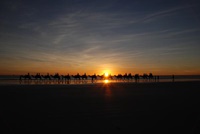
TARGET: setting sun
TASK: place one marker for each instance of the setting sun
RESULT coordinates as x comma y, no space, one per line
106,74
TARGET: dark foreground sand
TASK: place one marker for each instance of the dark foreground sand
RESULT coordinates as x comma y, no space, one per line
101,108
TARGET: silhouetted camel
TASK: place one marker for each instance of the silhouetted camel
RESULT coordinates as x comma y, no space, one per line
109,77
93,76
84,77
37,76
56,76
46,77
129,76
101,77
124,76
119,77
137,77
76,76
28,76
150,76
66,77
145,76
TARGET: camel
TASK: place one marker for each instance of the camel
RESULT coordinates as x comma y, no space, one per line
119,77
37,76
93,77
109,77
146,76
28,76
130,76
137,77
150,76
66,77
76,76
46,76
56,76
103,77
127,76
84,77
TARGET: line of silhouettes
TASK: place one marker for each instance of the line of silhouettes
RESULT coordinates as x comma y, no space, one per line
56,76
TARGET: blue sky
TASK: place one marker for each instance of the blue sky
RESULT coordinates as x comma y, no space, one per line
93,36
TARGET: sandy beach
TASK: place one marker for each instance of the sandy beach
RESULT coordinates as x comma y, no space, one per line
168,107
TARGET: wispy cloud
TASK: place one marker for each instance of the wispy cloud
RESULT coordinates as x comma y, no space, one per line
163,13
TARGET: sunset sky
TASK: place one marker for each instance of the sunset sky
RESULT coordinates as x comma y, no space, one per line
97,36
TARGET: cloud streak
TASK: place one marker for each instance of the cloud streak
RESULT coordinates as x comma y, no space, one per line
164,13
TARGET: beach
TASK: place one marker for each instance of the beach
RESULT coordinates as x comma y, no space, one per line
162,107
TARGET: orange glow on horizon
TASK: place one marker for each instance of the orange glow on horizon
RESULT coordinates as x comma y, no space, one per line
111,70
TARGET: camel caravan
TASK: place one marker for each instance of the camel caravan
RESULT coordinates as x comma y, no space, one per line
78,77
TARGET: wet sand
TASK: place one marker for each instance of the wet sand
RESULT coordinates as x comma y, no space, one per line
169,107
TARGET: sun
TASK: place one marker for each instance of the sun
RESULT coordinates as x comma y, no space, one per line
106,74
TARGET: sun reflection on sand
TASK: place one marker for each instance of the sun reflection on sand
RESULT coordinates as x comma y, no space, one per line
106,87
106,81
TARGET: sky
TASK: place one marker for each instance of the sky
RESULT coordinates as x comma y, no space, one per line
98,36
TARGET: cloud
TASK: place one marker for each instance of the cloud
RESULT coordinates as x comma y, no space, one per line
163,13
